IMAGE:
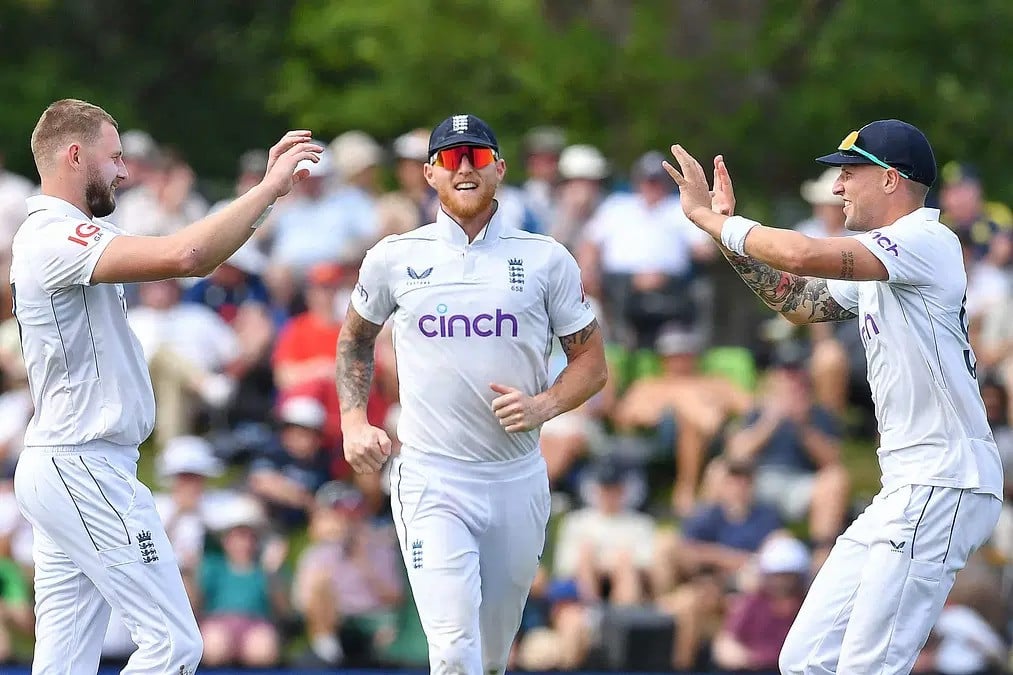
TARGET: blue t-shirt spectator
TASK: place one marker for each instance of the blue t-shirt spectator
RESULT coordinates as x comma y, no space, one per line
784,448
710,524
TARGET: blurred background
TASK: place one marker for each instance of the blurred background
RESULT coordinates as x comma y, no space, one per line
695,497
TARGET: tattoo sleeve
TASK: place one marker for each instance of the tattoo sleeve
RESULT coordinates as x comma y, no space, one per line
802,299
569,342
356,346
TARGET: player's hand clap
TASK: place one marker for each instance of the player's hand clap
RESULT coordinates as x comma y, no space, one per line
694,194
722,196
516,410
294,147
366,447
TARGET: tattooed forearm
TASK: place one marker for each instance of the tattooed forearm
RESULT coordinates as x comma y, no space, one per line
356,346
801,299
568,342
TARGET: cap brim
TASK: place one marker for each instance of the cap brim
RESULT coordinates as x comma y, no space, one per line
462,139
839,158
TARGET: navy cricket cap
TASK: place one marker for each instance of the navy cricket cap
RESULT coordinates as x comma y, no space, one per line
896,144
462,130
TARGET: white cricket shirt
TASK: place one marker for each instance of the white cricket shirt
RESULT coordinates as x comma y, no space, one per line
466,316
932,424
86,370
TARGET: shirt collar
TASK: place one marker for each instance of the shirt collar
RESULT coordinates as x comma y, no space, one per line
923,214
448,229
48,203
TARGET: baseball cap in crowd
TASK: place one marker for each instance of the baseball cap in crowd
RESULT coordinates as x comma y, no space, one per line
188,455
139,145
609,472
353,152
340,497
412,145
253,161
673,340
583,161
783,555
325,274
648,166
303,411
461,130
889,144
955,173
544,141
820,192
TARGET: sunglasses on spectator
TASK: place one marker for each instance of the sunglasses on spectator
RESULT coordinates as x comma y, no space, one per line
848,145
479,157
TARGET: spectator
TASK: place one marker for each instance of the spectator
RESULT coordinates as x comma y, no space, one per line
184,466
16,614
582,170
758,622
357,160
542,148
348,583
189,348
996,399
141,156
410,154
699,607
287,474
165,202
307,345
14,190
607,548
796,446
641,255
243,592
963,209
699,404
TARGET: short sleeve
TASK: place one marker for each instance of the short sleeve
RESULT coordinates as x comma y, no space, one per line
372,297
69,251
845,293
911,252
700,526
569,309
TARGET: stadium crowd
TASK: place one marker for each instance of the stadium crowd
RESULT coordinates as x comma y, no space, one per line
693,498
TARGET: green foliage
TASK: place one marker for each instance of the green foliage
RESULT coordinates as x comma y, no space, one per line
769,83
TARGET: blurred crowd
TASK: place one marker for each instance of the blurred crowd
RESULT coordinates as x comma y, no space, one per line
693,499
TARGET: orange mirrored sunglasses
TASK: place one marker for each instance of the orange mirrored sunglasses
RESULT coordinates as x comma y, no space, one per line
479,157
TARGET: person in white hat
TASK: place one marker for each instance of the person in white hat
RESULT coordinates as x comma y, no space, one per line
827,219
410,154
582,173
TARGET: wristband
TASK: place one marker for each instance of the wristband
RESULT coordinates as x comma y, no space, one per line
263,216
733,233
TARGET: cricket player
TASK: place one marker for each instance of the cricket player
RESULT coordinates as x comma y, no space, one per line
475,305
99,542
877,596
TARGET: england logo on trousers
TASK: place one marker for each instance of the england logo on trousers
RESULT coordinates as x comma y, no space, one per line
417,554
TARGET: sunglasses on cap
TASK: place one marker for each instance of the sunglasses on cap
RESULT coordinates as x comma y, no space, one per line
848,145
479,157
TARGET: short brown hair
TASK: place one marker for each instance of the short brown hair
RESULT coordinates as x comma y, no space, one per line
65,121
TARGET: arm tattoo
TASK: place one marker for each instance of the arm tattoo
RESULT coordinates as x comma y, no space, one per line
356,345
794,296
847,265
568,342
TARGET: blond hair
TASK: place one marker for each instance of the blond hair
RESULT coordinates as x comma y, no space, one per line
66,121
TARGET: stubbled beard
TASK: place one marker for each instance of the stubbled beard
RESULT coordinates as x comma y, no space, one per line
464,206
99,197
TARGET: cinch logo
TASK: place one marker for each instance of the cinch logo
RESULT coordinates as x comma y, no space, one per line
445,325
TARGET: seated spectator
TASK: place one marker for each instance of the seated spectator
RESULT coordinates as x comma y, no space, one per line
582,170
796,447
606,547
564,640
721,535
348,583
188,348
243,593
287,474
700,404
184,466
996,399
699,607
758,621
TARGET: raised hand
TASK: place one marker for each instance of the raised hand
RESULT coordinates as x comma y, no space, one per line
694,194
722,196
284,156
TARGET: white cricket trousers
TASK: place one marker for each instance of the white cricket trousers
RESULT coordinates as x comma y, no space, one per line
471,535
882,588
99,543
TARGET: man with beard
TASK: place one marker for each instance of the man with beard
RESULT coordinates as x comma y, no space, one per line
99,542
474,304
